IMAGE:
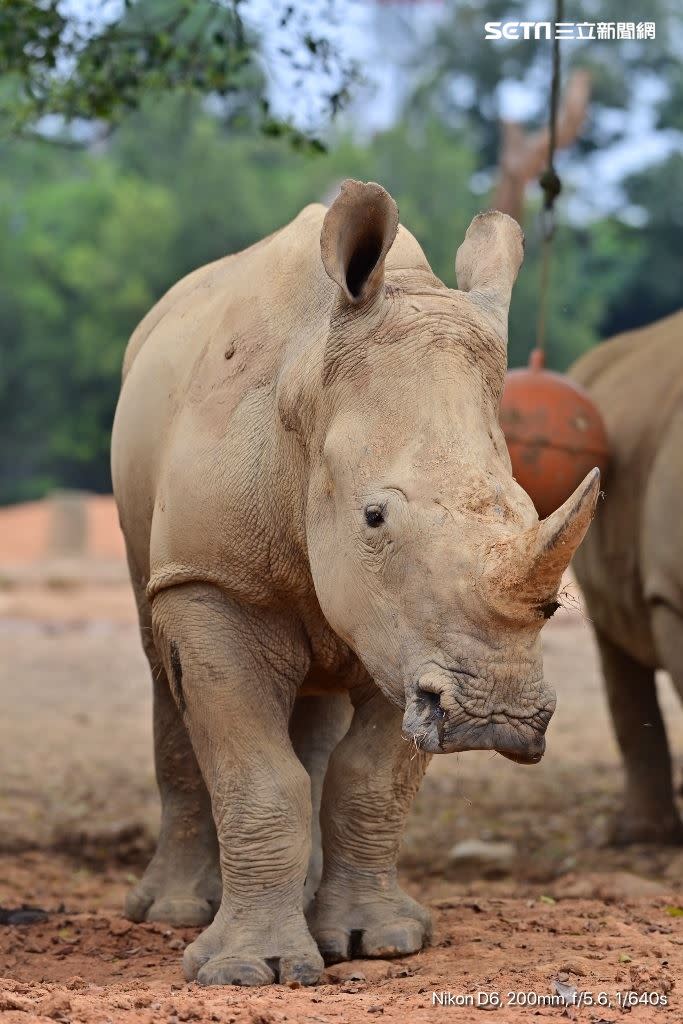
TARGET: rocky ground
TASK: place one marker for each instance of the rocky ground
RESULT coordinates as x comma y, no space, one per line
527,895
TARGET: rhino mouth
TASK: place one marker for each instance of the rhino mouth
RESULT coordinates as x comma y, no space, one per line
436,729
525,757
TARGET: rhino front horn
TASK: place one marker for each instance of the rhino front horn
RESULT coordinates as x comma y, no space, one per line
560,534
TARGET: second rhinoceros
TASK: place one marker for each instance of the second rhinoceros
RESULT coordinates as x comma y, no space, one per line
336,575
631,568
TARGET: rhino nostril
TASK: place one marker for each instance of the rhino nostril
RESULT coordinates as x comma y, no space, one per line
431,702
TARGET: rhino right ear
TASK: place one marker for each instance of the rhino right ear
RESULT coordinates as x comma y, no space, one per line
357,233
487,263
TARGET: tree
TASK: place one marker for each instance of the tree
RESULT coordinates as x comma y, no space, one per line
466,75
464,84
93,68
90,240
75,272
653,282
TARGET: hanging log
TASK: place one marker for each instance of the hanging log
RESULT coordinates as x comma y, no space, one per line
523,154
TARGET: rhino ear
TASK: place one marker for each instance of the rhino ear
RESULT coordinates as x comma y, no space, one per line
487,262
357,233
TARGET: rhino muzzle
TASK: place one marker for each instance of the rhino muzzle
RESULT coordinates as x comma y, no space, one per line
438,723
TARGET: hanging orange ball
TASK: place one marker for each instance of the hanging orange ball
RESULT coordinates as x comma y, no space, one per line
554,433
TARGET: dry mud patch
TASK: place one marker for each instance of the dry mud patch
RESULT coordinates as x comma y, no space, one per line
79,810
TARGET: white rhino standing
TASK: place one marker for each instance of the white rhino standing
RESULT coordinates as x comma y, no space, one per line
322,529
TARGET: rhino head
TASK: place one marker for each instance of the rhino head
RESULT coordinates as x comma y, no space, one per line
427,557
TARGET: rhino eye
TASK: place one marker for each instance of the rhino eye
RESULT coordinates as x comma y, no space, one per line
374,515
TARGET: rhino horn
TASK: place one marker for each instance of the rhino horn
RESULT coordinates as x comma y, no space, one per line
559,535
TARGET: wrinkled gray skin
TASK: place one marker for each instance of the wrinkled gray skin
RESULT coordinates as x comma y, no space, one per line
336,575
631,566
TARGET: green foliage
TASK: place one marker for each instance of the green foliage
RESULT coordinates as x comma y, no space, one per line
77,68
88,68
462,71
653,284
76,272
612,276
89,241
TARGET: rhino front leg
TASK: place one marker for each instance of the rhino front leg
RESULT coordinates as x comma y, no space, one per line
359,909
649,812
235,673
182,884
316,727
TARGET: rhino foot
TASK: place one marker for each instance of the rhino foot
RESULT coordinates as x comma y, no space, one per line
233,953
666,829
176,894
372,924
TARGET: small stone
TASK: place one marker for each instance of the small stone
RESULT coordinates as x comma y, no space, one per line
362,971
485,852
617,886
10,1002
563,969
55,1006
119,926
23,915
76,982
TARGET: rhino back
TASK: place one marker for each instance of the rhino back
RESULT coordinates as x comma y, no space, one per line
636,380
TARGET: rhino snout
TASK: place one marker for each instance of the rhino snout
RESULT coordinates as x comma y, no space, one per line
438,721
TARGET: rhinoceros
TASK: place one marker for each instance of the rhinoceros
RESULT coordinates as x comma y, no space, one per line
631,567
336,575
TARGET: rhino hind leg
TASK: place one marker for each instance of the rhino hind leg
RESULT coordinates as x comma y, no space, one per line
241,669
373,775
317,725
182,883
667,626
649,812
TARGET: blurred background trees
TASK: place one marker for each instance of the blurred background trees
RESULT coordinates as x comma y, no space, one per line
135,150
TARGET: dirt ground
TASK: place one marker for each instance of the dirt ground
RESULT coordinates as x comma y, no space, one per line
554,910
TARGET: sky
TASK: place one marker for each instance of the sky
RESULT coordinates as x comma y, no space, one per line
383,39
361,33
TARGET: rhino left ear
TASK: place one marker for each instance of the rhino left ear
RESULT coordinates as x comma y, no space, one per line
487,262
357,233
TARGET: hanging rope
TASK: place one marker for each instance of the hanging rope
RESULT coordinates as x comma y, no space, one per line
552,186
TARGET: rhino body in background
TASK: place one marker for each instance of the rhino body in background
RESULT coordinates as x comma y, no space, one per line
631,566
332,563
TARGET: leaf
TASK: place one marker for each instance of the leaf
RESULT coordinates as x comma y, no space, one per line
674,911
